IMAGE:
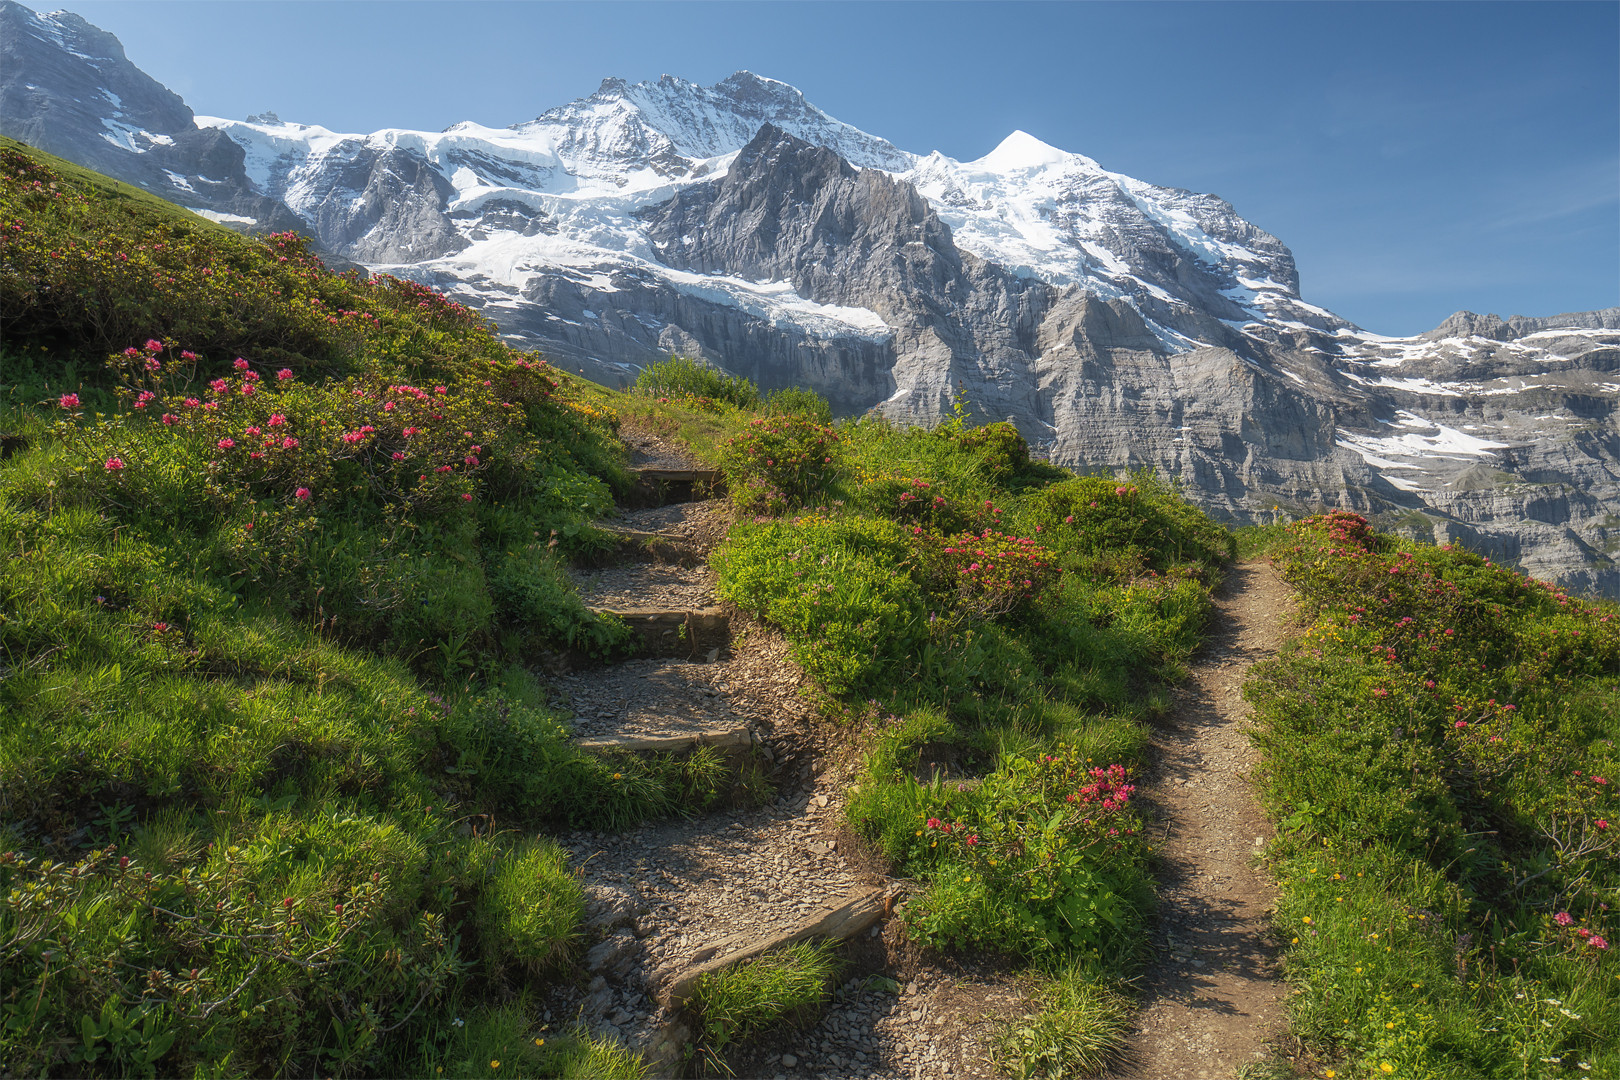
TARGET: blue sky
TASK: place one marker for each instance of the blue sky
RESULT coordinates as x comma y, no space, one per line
1418,158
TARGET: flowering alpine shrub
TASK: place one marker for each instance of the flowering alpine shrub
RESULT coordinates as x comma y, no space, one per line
85,275
996,572
1127,526
780,461
1043,856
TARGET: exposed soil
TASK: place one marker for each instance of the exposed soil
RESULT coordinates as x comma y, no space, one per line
650,449
1212,996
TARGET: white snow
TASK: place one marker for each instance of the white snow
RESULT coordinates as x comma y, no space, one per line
223,219
179,181
1426,439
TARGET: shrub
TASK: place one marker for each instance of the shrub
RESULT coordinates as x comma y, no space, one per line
843,588
695,381
779,461
800,401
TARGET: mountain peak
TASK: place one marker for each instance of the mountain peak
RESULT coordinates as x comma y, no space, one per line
1020,151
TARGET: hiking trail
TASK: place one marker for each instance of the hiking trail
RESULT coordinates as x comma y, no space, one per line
1212,995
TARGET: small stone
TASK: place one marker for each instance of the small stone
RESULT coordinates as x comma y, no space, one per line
789,1061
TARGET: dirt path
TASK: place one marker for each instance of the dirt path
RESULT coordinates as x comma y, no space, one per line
1212,996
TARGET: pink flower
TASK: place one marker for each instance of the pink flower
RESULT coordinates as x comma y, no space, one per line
1460,724
239,364
388,406
225,444
68,401
288,443
1069,520
248,389
466,498
132,352
302,494
1601,823
218,386
160,627
152,364
972,839
276,420
169,419
251,376
153,345
1584,932
1563,918
398,456
113,464
1598,941
933,823
187,355
284,374
253,430
191,403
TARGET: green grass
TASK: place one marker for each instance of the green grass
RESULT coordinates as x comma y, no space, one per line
783,986
1078,1031
1439,747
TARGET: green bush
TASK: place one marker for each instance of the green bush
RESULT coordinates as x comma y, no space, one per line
844,588
780,461
695,382
799,401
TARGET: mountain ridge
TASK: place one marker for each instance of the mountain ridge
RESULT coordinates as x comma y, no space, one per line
1118,323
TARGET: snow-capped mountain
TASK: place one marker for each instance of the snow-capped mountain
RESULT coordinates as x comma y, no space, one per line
1118,323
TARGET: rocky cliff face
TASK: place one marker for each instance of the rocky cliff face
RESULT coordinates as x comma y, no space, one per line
1119,324
67,87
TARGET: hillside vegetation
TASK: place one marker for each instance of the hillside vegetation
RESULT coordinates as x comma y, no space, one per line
276,777
1440,748
279,788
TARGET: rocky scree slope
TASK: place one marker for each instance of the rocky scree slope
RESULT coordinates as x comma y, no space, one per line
1119,324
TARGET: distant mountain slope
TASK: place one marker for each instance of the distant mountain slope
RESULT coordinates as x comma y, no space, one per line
1119,324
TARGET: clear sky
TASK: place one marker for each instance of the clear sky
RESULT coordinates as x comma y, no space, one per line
1418,158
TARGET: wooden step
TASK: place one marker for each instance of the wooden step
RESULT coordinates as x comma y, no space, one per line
675,633
721,739
860,911
661,486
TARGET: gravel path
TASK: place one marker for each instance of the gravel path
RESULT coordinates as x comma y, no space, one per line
661,586
1212,996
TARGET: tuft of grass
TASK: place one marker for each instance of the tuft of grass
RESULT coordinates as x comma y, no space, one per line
529,909
787,985
696,384
1079,1029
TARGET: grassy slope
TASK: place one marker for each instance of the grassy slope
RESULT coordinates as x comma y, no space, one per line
1439,747
262,701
